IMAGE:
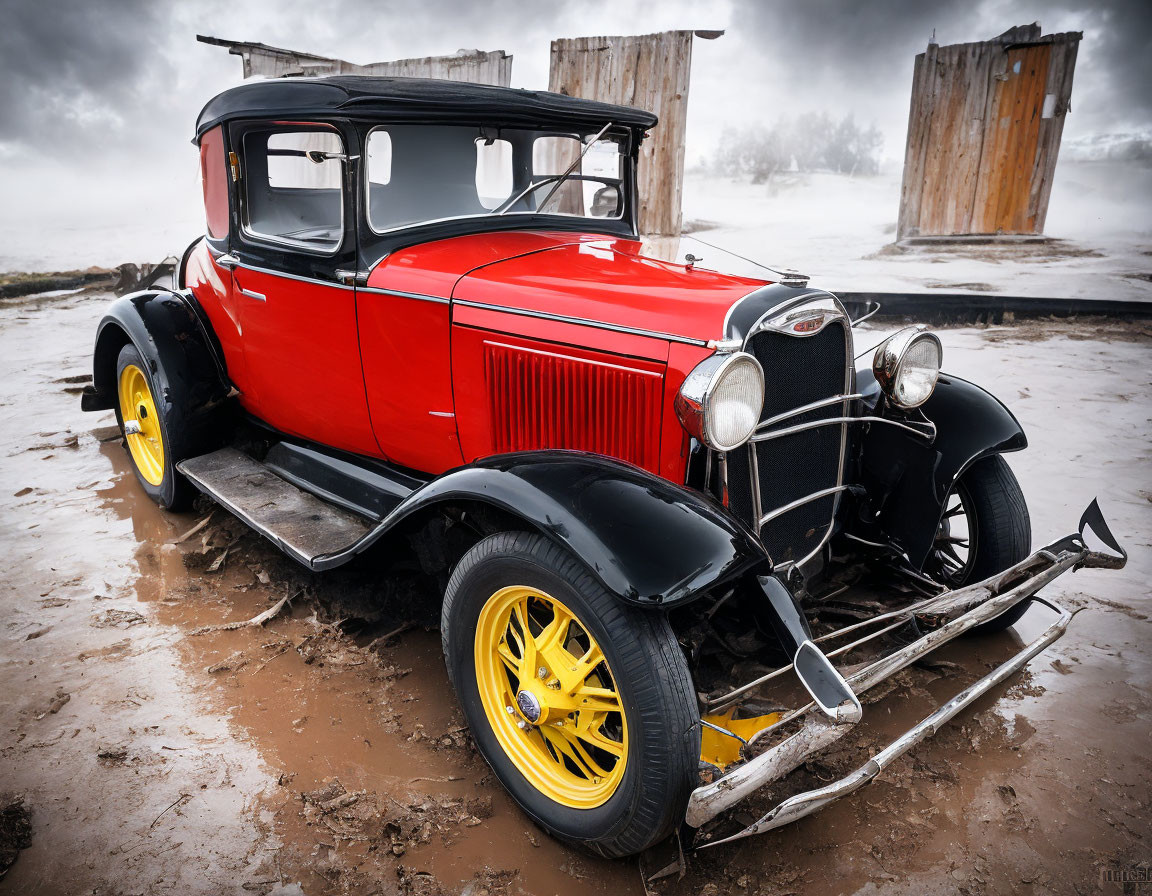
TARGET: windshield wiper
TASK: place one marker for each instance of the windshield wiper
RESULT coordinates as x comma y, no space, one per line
559,180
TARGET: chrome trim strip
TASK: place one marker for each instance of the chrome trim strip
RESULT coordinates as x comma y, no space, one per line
297,277
420,297
254,295
929,431
580,321
804,409
800,502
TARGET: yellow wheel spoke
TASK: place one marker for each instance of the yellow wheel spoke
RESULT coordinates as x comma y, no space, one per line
551,639
572,749
528,656
590,699
594,734
509,660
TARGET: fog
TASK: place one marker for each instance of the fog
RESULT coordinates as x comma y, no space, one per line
98,100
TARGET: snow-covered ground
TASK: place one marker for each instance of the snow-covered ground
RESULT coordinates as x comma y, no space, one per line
837,229
840,231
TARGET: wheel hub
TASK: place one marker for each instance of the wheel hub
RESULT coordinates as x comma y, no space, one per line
531,708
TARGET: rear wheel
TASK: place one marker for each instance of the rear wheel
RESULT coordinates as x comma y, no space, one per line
583,707
154,443
984,529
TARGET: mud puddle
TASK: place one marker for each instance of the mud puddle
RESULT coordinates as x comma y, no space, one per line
323,748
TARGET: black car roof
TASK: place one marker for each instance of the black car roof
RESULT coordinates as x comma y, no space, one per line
413,100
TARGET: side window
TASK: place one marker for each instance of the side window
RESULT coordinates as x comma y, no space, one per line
294,187
214,180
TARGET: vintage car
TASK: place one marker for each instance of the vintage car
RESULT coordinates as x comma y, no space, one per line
420,326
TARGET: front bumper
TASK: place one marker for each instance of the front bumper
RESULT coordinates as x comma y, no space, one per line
955,612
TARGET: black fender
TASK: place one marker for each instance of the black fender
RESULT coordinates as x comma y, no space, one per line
183,357
647,540
908,478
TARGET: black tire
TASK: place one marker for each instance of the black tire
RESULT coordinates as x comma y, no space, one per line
999,531
173,492
651,677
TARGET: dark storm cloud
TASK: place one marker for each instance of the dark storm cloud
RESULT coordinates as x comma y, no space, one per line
66,67
857,46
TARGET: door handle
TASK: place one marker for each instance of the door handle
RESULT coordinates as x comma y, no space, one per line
259,296
227,261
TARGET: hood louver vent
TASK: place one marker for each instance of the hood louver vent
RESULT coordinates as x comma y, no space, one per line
542,400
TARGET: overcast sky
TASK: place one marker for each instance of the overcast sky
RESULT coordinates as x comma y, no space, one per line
98,99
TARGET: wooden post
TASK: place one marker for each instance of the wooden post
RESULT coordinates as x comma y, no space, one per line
650,71
984,130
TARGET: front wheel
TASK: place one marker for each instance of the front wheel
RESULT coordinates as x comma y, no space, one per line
583,707
984,529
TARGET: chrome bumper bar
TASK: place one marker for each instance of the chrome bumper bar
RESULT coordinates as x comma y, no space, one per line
965,609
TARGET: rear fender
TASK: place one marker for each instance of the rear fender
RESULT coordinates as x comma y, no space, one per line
178,347
908,479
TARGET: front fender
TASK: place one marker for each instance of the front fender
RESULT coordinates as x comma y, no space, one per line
647,540
176,344
908,479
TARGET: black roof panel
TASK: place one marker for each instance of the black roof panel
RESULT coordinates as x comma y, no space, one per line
413,99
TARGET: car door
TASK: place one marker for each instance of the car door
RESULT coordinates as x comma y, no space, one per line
297,313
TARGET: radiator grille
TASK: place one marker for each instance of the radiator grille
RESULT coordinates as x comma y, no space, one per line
797,371
541,400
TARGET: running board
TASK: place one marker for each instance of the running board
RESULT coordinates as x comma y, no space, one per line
296,521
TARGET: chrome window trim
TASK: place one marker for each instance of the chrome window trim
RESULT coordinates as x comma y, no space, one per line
582,321
254,236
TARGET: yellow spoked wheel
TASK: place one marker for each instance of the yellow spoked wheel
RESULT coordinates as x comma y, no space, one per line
141,424
550,698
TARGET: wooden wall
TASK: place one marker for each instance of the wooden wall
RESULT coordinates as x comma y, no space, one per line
476,66
984,134
650,71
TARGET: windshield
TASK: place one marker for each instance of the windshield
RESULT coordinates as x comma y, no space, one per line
422,173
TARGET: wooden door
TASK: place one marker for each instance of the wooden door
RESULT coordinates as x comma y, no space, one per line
1008,158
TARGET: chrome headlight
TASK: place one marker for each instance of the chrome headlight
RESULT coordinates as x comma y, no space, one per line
907,365
721,400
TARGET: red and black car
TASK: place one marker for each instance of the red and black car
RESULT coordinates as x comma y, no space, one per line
420,324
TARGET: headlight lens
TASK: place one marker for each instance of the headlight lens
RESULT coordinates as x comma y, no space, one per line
721,400
907,365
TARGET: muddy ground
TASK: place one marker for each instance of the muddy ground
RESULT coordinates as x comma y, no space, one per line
322,752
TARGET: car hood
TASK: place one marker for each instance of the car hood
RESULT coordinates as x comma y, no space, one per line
587,277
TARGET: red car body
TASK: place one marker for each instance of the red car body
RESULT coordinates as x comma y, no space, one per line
495,304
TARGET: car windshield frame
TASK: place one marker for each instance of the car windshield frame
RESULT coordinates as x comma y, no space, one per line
624,182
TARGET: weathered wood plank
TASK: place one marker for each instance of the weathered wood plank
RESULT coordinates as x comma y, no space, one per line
980,154
651,71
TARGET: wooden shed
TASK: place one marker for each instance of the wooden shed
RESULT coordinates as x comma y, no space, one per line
651,71
984,133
